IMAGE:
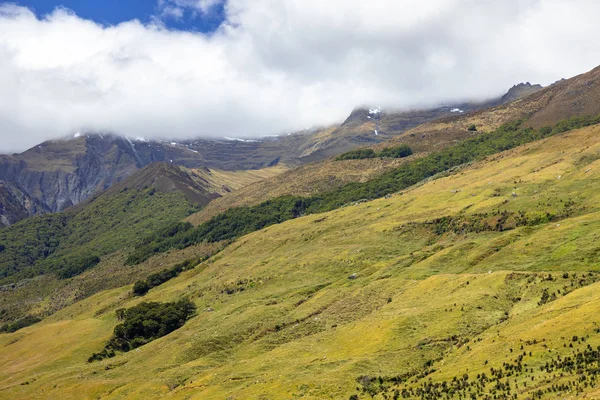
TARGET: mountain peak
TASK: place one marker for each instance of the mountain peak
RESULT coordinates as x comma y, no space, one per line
521,90
168,178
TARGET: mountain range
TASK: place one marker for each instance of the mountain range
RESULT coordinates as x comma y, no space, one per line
58,174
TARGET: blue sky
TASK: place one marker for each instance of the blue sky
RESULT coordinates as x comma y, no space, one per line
112,12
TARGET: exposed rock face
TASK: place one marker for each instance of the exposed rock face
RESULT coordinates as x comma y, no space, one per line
58,174
520,91
11,209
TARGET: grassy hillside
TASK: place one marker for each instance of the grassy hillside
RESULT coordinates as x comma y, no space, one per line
404,293
306,180
39,256
236,222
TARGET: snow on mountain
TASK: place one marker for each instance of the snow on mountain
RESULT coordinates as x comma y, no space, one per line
241,140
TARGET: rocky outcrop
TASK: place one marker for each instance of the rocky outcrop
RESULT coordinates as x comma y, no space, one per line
11,208
520,91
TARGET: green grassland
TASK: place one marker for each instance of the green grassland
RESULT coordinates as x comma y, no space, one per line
366,299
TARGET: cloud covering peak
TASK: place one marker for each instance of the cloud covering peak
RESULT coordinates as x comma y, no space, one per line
276,65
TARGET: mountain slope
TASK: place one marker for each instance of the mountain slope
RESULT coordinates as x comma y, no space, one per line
306,180
452,277
102,224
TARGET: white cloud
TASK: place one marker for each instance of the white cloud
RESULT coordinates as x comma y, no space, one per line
172,12
177,8
276,65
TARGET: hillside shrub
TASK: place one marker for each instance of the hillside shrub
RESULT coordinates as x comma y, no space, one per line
358,154
144,323
396,152
74,267
391,152
19,324
157,241
140,288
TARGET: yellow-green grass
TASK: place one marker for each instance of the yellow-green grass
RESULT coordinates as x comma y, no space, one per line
47,294
224,182
306,180
302,329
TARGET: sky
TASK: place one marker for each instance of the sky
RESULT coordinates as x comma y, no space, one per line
246,68
197,16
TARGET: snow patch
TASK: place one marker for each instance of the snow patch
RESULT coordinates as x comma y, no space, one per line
374,111
141,139
457,110
78,134
376,133
241,140
173,143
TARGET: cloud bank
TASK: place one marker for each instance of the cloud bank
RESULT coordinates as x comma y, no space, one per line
276,65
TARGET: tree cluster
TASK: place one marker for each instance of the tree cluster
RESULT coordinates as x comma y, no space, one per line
401,151
144,323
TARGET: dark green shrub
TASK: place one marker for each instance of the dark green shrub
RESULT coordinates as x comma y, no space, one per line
472,128
358,154
390,152
155,242
19,324
75,267
140,288
144,323
396,152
